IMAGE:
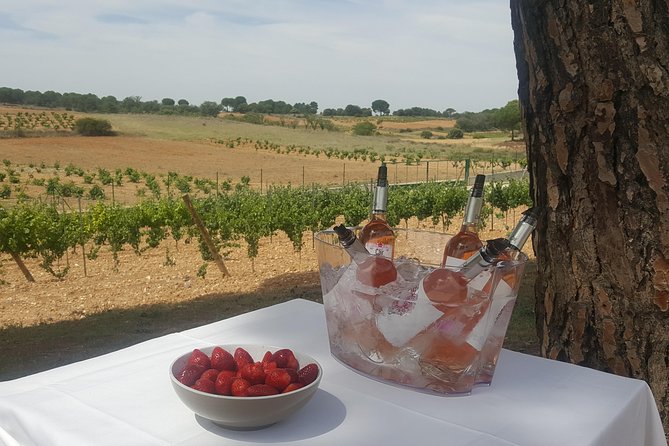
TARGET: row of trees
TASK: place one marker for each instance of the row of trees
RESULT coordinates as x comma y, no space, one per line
133,104
505,118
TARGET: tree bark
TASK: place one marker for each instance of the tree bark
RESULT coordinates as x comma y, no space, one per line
594,94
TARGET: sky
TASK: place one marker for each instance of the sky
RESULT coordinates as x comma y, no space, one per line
434,54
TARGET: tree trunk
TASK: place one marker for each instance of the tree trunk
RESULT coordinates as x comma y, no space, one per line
594,94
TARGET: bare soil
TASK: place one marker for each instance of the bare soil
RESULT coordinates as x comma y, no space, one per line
101,306
198,159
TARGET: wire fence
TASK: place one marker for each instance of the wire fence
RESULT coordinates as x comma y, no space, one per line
65,190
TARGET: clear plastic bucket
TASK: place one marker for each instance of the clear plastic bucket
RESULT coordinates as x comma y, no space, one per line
397,334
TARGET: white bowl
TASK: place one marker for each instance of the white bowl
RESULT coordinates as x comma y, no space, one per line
244,412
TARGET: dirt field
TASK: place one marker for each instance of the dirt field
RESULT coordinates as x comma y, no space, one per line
158,291
143,280
199,159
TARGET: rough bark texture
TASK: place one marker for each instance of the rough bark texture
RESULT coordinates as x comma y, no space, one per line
594,94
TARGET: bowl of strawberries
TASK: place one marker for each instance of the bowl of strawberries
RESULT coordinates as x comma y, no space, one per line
245,386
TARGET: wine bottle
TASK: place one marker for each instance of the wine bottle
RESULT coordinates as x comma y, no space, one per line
377,235
467,242
372,270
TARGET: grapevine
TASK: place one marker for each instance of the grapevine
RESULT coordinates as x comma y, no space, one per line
37,229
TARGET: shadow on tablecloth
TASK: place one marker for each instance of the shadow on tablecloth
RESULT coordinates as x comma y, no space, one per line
322,414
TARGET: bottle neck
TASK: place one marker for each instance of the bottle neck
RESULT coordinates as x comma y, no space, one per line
522,232
475,265
380,200
469,227
352,244
472,211
485,257
379,215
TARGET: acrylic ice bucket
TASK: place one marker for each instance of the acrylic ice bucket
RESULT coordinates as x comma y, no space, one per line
395,333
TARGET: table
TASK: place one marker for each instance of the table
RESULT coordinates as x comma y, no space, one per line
125,398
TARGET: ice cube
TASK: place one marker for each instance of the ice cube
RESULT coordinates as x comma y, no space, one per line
410,269
349,299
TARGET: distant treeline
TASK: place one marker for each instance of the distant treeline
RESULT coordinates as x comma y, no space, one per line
505,118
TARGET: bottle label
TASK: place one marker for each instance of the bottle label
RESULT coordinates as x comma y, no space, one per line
400,325
453,261
379,248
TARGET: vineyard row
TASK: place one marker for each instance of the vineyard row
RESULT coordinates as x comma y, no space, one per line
38,229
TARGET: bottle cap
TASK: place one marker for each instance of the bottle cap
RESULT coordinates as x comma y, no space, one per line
479,182
532,213
346,236
494,248
382,177
380,203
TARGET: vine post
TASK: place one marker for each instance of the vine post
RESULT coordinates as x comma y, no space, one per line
22,267
81,237
205,235
67,255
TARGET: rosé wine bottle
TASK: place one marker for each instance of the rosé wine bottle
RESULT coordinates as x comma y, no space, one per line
377,235
466,242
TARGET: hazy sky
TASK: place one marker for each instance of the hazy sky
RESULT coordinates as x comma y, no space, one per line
428,53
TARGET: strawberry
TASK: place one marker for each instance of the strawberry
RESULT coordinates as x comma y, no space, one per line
278,378
308,374
204,385
253,373
293,375
267,357
242,357
292,386
292,363
261,390
281,357
239,387
269,366
210,374
197,357
190,374
221,359
223,383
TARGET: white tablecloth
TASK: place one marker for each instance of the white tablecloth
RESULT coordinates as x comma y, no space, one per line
125,398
